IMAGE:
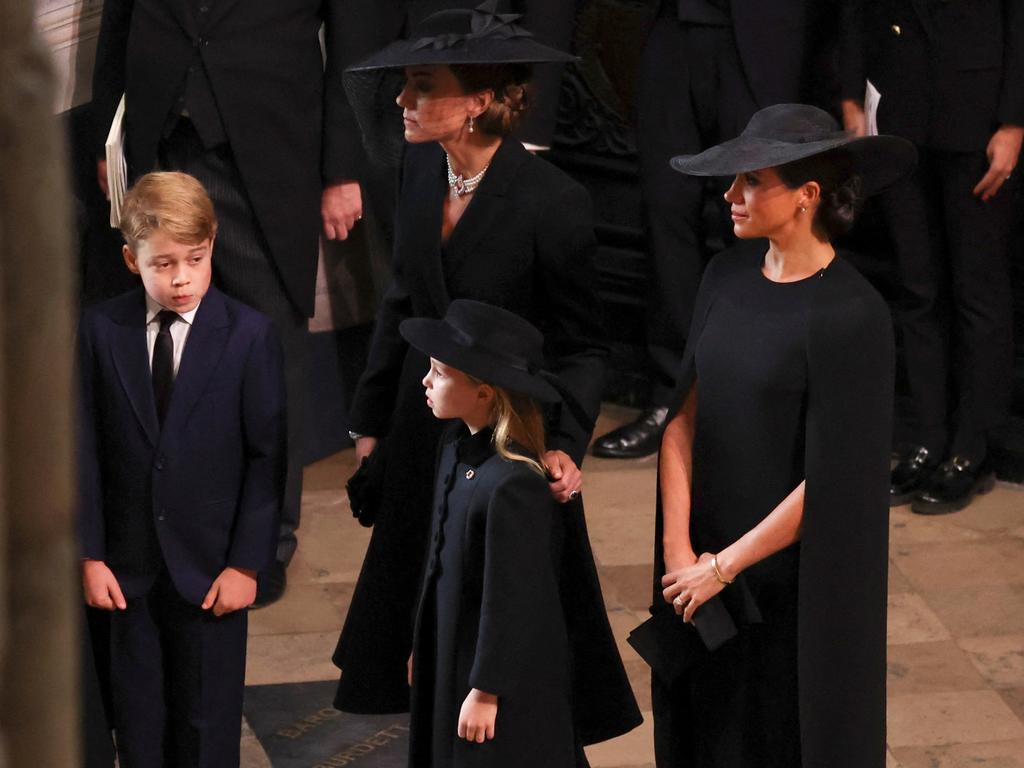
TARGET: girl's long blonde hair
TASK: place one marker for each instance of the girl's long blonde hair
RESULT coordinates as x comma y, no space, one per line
517,418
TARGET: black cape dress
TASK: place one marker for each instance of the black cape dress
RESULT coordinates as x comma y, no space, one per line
525,243
795,383
490,616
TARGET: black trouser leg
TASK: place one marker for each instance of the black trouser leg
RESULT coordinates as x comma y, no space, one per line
978,238
177,675
913,215
243,269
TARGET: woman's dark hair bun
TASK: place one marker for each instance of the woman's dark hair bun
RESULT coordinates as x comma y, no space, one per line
511,96
841,189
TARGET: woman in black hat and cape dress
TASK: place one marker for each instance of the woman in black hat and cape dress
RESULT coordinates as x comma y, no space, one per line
477,217
773,471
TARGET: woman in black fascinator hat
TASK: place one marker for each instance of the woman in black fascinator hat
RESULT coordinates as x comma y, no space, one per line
477,217
773,498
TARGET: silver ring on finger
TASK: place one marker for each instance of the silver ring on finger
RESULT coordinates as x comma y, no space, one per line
573,495
678,600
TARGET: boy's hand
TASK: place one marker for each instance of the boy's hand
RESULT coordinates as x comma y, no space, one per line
477,716
100,586
235,588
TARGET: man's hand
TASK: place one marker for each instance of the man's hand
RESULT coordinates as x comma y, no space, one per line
101,177
1003,152
341,206
100,586
565,477
235,588
854,119
477,716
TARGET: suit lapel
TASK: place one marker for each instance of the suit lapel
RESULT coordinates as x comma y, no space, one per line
131,359
488,207
203,349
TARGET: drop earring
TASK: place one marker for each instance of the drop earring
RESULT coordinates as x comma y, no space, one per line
470,123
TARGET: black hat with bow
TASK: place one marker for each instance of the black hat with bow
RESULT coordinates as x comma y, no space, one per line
460,36
493,345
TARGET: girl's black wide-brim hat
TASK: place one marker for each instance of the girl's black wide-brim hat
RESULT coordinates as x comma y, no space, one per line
459,36
493,345
783,133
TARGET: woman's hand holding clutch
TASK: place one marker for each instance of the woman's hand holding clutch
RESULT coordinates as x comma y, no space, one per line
691,586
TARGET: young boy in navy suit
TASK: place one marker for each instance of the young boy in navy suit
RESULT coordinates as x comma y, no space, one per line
182,461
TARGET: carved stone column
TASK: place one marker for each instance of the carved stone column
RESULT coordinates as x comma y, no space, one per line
38,594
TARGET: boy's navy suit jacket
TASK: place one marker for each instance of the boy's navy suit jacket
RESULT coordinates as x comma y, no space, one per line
203,492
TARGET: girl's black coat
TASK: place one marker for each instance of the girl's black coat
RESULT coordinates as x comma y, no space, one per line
490,616
525,243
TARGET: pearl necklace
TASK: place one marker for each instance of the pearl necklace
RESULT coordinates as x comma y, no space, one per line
458,184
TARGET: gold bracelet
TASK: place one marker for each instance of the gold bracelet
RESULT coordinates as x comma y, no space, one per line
718,573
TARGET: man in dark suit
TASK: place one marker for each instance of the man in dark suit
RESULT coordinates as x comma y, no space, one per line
950,76
707,66
182,462
238,94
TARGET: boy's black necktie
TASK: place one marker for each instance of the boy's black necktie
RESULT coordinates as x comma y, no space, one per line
163,363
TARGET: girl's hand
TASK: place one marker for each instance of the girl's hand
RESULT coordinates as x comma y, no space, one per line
477,716
566,478
690,587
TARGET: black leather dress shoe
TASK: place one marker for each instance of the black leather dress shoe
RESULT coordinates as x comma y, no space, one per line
953,486
270,584
910,475
634,440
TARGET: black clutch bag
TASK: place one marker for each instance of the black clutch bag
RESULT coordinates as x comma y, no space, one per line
670,646
365,487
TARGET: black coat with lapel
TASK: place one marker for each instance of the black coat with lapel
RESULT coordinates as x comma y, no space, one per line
950,72
204,491
526,243
284,111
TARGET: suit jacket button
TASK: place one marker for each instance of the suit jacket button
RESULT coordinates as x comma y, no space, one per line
896,30
469,474
161,515
160,463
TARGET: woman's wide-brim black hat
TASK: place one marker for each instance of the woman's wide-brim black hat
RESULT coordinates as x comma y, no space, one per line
488,343
477,36
783,133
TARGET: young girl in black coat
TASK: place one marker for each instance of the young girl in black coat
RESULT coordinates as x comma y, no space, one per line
490,663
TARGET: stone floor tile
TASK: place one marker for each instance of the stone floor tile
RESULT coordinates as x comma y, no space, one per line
981,611
640,680
253,754
890,761
926,719
1014,698
897,581
331,547
329,474
290,658
999,659
624,539
931,668
935,566
304,608
632,750
630,584
623,622
994,512
906,528
1002,754
912,621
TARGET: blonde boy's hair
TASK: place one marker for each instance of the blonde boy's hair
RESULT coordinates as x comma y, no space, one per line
173,202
